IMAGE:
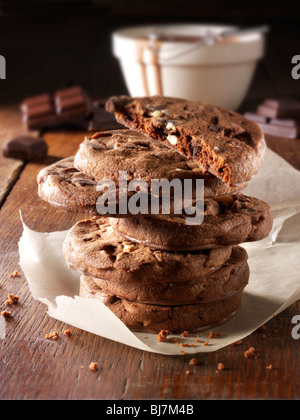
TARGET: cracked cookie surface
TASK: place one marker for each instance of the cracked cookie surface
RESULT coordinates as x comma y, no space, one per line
220,141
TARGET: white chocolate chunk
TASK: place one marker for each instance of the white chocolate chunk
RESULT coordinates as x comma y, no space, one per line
170,126
172,139
128,248
156,114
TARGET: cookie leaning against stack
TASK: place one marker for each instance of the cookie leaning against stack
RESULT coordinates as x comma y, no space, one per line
157,272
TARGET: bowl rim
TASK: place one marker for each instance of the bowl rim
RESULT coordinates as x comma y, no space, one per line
131,33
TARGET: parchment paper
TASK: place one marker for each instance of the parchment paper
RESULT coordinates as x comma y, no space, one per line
274,280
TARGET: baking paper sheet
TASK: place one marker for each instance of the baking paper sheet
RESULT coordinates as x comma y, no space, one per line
274,280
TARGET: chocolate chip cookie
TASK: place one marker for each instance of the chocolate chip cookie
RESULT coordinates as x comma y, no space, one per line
93,248
220,141
226,281
154,318
104,154
229,220
65,187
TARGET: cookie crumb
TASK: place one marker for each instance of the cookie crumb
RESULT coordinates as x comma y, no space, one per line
68,333
237,343
184,333
182,352
262,328
53,335
205,343
270,367
162,336
249,354
198,340
93,366
187,372
214,335
14,274
13,299
6,314
220,366
193,361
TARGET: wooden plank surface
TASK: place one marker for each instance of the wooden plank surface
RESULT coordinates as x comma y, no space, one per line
11,120
32,367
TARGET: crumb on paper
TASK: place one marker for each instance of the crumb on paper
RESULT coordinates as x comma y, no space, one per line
214,335
184,345
6,314
249,354
162,336
14,274
184,333
68,333
53,335
198,340
93,366
182,352
237,343
193,361
205,343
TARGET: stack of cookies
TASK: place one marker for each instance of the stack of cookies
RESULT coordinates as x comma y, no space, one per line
156,272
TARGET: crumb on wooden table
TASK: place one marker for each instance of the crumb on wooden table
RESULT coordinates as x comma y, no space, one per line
93,366
14,274
193,361
53,335
6,314
12,299
220,366
249,354
262,328
68,333
270,367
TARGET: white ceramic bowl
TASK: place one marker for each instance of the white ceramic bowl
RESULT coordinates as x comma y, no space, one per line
219,73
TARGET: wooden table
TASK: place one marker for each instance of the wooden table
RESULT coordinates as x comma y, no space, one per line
32,367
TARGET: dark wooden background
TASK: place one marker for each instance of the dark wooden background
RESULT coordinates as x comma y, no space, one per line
56,43
47,48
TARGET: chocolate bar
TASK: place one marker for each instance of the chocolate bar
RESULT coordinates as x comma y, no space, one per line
98,119
287,128
26,148
279,108
46,111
